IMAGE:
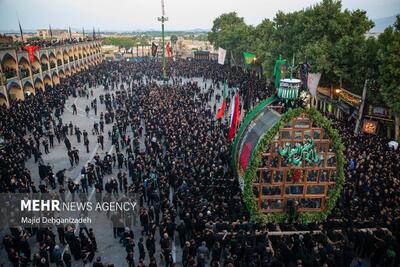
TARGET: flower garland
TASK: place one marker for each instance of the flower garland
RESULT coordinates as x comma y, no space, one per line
251,171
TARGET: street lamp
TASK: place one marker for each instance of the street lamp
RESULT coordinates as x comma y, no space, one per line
163,19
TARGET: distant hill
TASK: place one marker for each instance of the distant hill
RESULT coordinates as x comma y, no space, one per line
382,23
198,30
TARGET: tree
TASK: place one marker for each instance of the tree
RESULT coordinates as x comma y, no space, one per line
231,33
125,42
330,39
223,22
262,42
389,69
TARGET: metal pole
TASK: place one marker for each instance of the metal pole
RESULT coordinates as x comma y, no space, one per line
163,52
162,20
361,110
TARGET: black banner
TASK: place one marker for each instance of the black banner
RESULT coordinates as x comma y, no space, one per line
154,49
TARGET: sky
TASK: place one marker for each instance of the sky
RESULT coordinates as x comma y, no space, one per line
128,15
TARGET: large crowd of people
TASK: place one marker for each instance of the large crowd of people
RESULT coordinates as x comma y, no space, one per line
172,155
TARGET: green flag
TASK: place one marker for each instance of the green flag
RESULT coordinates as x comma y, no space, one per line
249,58
330,108
278,71
225,92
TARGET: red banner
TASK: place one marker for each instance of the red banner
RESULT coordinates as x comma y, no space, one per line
168,47
245,156
31,51
296,175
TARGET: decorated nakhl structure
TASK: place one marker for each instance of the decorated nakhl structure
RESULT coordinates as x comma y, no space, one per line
27,71
288,161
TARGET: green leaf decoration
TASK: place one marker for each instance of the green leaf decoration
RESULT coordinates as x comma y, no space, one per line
251,172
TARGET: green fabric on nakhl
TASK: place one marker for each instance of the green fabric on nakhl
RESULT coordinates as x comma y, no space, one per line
330,108
225,91
251,171
391,253
286,93
277,70
301,151
249,58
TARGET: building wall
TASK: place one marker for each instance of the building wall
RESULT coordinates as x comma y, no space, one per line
18,75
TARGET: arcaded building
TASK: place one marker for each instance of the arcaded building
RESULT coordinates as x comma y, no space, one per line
20,76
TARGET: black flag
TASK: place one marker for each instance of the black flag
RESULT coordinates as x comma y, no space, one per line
50,31
20,30
153,49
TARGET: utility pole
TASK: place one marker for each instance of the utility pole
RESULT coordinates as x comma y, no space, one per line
361,110
162,20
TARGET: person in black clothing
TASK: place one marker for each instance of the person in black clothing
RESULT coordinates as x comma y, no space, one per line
102,126
85,134
100,140
130,246
142,253
115,222
120,159
92,238
44,251
78,134
61,234
153,262
186,254
87,109
71,157
151,245
58,136
76,155
67,258
74,109
182,233
98,262
61,176
67,143
51,138
130,259
46,146
86,143
165,244
71,128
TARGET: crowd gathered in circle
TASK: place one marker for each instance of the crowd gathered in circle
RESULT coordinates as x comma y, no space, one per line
172,155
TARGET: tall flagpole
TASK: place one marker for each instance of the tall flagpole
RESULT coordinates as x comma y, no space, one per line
163,19
20,30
